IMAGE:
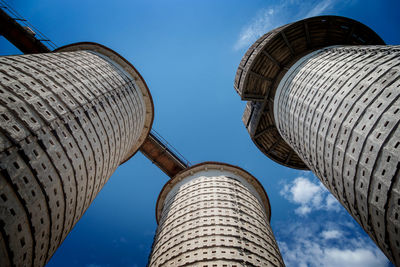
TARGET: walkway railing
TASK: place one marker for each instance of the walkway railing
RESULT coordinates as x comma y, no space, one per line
28,26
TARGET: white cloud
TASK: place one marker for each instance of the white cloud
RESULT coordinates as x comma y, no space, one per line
276,15
331,234
312,254
309,196
332,203
303,210
304,191
303,246
329,237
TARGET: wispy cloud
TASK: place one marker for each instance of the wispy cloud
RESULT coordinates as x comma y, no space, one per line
320,8
264,21
120,242
276,15
303,246
309,196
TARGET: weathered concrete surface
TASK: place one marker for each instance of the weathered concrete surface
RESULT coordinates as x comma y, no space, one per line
214,214
67,120
323,95
268,59
339,109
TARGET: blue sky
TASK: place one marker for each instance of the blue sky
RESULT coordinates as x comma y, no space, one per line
188,53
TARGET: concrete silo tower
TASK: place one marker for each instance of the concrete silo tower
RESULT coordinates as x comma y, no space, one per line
324,95
214,214
67,119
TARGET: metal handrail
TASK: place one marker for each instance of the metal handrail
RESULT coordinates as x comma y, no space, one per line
167,145
25,23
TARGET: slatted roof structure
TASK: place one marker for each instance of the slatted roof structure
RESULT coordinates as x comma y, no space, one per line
267,61
30,41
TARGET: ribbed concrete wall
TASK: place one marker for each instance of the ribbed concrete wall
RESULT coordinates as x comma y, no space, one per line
339,109
213,216
67,120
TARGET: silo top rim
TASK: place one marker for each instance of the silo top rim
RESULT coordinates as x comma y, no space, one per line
269,58
128,67
349,32
212,165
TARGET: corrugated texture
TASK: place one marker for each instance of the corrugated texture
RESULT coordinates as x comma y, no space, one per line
214,221
268,59
339,110
67,121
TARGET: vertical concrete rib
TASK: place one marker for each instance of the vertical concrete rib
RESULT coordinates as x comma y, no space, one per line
214,214
63,134
336,108
350,150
